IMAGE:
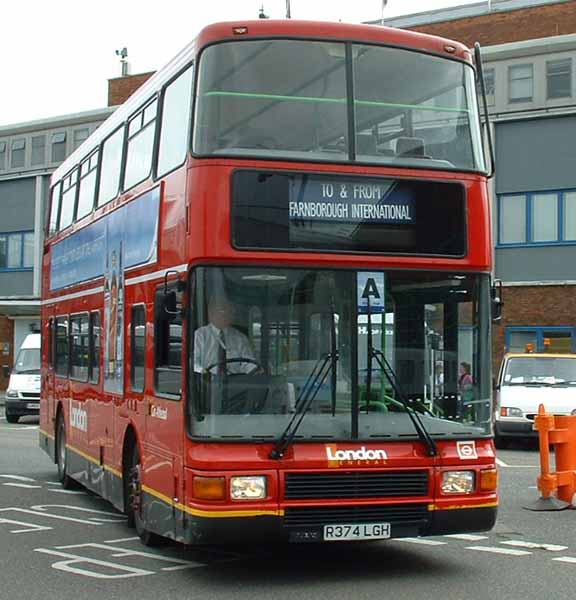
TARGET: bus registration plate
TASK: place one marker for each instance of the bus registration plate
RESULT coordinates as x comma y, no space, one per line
357,531
33,405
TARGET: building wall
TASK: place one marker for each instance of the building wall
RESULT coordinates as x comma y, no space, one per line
509,26
121,88
541,306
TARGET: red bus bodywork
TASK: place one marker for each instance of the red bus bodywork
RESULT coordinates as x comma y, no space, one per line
102,428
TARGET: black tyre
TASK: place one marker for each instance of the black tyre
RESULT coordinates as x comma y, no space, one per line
135,502
501,442
12,418
62,455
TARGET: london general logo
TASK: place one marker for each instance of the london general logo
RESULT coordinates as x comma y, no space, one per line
359,457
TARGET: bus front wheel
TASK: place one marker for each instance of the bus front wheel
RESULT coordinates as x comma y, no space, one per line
135,508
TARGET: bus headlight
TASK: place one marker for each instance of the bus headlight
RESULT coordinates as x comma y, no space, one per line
458,482
11,394
251,487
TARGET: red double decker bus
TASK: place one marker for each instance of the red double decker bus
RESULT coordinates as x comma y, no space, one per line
267,294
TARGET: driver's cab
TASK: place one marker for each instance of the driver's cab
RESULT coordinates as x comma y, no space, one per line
280,328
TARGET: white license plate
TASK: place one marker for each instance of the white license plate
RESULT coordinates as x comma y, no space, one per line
33,405
355,531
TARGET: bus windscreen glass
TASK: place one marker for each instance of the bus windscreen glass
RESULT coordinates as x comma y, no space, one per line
409,108
267,341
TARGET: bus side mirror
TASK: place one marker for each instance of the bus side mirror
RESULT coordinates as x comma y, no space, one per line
496,300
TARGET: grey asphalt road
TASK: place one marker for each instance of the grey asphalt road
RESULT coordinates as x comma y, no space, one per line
63,545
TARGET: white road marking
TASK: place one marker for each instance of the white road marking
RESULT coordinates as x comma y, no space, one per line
23,485
17,477
423,541
565,559
535,546
504,465
71,492
467,536
495,550
120,540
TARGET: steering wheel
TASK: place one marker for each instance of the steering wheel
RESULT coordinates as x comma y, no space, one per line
258,367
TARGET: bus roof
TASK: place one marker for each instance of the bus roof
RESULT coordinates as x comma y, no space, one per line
262,28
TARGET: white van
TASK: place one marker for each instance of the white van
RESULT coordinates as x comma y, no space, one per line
23,393
525,382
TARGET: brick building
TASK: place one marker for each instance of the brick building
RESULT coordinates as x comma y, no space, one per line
529,51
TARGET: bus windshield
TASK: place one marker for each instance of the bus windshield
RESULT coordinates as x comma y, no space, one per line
409,108
271,342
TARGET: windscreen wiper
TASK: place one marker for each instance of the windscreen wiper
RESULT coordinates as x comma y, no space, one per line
306,396
413,414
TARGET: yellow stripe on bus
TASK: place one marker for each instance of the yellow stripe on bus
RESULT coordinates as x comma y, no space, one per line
432,507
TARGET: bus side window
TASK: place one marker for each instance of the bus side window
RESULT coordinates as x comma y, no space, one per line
168,344
94,344
62,347
138,347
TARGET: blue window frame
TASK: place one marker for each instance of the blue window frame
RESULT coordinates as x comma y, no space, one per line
558,338
17,251
541,218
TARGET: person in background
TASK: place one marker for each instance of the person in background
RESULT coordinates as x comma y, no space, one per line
465,388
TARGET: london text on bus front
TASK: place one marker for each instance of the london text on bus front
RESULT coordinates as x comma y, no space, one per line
267,295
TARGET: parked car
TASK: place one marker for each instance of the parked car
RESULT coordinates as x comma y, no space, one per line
526,381
23,393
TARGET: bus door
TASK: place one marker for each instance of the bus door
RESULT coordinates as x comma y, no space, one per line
165,408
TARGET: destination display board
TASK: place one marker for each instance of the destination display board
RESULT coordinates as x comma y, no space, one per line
302,211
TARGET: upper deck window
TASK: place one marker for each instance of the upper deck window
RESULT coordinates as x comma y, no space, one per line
141,130
408,108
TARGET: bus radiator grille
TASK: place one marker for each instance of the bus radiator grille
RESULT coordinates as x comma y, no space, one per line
356,484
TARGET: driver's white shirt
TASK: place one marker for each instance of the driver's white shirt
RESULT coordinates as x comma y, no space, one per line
236,344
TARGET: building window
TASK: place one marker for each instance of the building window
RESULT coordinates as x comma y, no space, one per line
18,153
561,340
544,218
80,136
570,216
38,150
3,146
512,215
520,83
537,218
490,86
559,78
58,147
141,130
17,251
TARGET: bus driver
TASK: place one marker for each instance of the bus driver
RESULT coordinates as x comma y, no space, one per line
216,343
